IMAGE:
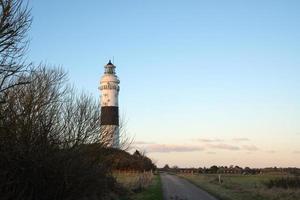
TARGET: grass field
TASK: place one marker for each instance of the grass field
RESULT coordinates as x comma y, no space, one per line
141,186
241,187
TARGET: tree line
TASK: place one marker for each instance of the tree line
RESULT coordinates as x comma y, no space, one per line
214,169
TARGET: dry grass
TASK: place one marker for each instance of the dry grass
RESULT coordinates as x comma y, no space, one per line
134,181
242,187
152,192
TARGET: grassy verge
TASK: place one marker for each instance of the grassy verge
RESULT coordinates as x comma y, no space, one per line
241,187
140,186
153,192
129,180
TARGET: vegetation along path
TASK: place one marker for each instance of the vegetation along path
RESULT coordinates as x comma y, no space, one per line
176,188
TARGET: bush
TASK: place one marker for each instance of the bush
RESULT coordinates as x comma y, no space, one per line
121,160
284,182
49,142
55,174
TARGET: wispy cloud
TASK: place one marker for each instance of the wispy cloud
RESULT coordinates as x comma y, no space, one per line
241,139
211,152
296,152
271,151
209,144
250,147
142,142
224,146
166,148
206,140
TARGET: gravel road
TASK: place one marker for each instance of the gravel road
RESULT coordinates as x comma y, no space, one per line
175,188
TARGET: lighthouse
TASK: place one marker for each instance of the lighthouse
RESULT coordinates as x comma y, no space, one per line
109,89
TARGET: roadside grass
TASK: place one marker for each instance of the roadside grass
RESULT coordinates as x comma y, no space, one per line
242,187
129,180
141,186
153,192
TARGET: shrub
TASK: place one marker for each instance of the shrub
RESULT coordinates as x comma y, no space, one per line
121,160
284,182
49,146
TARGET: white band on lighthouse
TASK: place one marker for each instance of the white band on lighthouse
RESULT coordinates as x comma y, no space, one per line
109,89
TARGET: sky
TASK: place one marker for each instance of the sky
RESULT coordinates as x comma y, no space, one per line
202,82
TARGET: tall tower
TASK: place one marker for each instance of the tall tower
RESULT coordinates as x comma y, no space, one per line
109,89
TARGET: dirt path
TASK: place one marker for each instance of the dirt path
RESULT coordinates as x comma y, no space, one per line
176,188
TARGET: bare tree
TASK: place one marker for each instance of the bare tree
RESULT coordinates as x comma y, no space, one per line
126,140
80,123
15,21
49,141
31,112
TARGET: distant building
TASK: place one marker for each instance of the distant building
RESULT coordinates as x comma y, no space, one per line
109,89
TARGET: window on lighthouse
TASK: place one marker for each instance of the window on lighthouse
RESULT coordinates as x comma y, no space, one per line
109,70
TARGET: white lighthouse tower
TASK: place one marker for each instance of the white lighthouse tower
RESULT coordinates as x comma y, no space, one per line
109,89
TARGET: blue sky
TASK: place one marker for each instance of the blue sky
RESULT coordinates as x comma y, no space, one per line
195,75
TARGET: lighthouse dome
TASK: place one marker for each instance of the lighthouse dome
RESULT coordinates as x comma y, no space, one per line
109,74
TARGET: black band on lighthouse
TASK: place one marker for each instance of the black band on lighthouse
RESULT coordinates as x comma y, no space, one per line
110,115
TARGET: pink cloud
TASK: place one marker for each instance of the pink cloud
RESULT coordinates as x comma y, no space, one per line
208,140
211,152
166,148
271,151
142,142
250,147
224,146
240,139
